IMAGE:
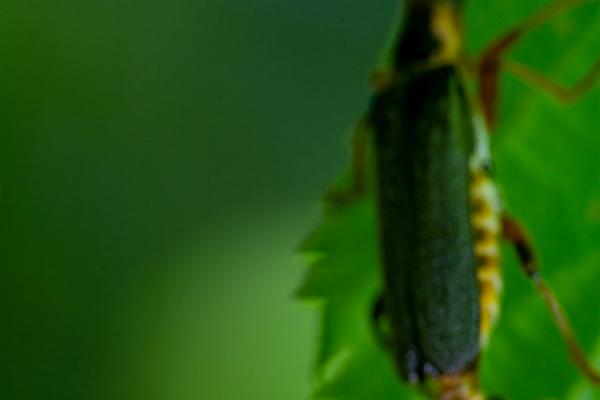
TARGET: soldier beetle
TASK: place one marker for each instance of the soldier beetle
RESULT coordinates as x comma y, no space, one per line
440,215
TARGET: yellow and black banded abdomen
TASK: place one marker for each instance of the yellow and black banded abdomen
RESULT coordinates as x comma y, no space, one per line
485,218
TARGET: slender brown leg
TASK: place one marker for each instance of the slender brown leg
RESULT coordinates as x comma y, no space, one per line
358,167
558,91
378,317
514,233
380,79
490,63
359,157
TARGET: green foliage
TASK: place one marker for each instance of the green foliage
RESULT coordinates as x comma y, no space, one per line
547,160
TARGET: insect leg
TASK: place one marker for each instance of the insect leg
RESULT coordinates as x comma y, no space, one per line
358,167
378,323
359,157
514,233
380,79
489,64
560,92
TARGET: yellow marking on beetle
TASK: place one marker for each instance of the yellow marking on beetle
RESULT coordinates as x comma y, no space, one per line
445,25
459,387
488,274
486,227
486,247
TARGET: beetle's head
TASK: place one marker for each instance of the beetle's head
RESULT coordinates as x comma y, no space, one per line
431,31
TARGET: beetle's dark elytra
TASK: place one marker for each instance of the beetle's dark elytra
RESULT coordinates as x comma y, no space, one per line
423,141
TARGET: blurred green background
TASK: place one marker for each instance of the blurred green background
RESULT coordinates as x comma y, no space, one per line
159,162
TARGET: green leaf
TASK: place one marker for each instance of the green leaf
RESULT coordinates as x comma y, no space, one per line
345,249
547,156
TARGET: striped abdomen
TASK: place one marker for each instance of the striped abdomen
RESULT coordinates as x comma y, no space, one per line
485,219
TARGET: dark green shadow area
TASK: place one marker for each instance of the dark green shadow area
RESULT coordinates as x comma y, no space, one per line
159,162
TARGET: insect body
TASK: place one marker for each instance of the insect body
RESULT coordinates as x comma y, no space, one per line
439,214
426,235
438,227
